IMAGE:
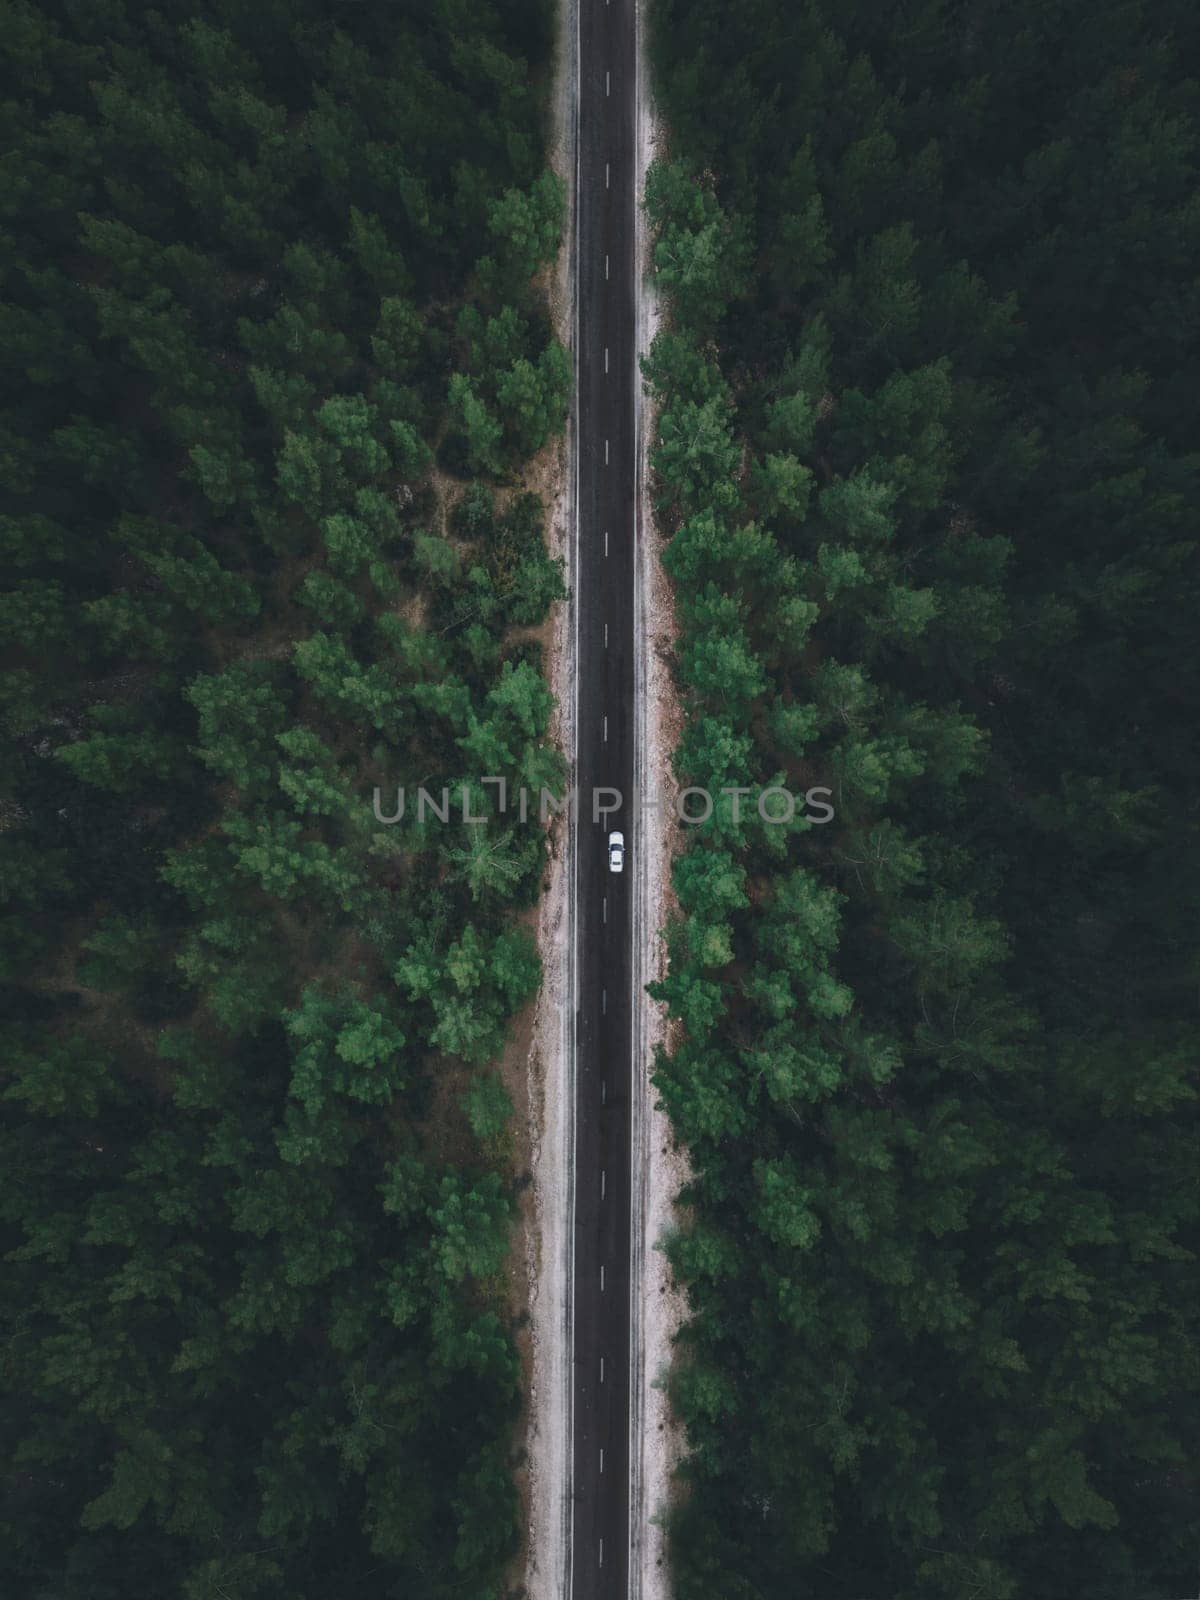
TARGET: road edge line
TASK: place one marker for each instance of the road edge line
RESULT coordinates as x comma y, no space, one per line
639,1121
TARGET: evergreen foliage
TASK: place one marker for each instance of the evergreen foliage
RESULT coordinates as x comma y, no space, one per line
927,459
255,1200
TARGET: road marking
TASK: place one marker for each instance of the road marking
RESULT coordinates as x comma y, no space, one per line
606,541
606,730
606,358
606,175
606,269
604,1002
605,913
601,1369
606,452
603,1182
606,635
603,1090
602,1277
602,1552
607,83
601,1460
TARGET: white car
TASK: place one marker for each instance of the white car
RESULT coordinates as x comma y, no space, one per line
616,852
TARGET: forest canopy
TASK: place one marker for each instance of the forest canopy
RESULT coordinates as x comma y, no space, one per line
275,359
927,461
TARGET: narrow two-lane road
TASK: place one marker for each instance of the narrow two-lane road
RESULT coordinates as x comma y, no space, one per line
605,476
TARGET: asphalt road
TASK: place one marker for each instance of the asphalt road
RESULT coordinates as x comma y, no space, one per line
605,474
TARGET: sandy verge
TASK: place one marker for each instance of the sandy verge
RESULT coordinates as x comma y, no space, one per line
660,1167
550,1237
